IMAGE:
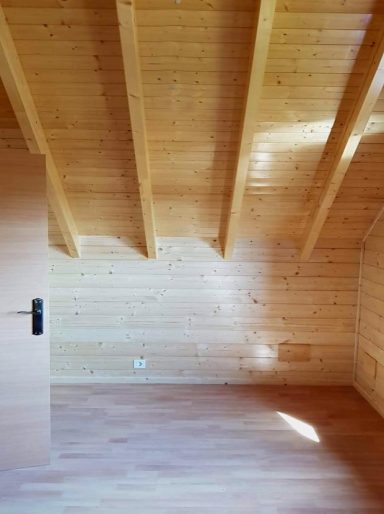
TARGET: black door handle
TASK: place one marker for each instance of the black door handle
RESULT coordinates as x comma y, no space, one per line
37,316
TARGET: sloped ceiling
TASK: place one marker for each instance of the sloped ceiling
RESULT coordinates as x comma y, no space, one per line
195,58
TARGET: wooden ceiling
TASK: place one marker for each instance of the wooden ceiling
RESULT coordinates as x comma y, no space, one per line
187,74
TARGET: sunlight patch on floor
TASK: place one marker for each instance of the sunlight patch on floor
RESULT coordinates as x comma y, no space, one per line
301,427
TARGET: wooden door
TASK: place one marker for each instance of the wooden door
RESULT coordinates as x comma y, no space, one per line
24,358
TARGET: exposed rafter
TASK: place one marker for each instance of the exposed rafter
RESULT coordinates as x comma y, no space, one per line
17,88
129,44
347,145
263,29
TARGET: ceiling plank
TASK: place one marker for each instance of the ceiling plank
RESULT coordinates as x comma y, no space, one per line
263,30
134,84
347,145
16,86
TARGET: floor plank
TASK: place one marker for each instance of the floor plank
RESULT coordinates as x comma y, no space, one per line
162,449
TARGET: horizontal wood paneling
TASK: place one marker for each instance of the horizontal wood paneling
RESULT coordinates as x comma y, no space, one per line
187,74
300,103
194,64
10,133
363,185
195,317
84,109
369,365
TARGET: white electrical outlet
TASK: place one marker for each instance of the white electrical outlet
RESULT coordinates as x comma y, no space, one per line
139,364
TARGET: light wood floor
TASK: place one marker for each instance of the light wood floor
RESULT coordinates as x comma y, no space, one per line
150,449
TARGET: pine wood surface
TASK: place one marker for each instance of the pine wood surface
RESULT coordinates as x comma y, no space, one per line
194,64
197,318
194,60
369,365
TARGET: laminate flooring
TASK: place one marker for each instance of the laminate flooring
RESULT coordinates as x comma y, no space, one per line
209,449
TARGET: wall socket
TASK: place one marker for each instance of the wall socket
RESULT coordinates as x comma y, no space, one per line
139,364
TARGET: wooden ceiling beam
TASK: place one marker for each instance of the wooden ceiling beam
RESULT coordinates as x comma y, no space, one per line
134,85
347,145
263,30
16,86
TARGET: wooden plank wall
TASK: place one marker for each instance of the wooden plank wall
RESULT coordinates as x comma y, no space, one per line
10,133
262,317
369,366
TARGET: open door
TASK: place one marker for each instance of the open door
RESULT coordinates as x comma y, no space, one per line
24,357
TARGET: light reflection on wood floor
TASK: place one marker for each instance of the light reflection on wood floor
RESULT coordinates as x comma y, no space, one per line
158,449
